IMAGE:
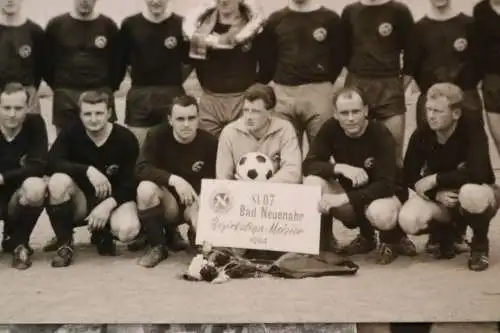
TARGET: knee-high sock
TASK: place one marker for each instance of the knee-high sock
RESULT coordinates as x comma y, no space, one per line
23,223
480,225
61,219
326,231
153,222
392,236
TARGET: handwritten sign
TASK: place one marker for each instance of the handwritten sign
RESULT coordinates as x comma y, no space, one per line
259,215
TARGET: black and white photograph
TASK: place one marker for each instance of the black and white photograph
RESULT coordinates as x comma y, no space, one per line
250,166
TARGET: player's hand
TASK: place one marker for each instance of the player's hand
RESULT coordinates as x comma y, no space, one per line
448,199
98,217
185,191
101,184
329,201
425,184
358,176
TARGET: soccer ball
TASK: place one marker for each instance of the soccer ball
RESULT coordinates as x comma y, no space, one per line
255,166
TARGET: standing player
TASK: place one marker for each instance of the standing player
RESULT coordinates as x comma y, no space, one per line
377,31
353,160
449,167
486,15
258,130
444,47
304,57
82,53
174,159
92,180
154,48
23,151
21,50
228,71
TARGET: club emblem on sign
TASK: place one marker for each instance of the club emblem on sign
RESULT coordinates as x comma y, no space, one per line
197,166
25,51
369,163
320,34
100,42
246,47
112,170
460,44
171,42
221,201
385,29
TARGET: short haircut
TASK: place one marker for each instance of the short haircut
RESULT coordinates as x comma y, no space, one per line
348,92
95,97
184,101
262,92
15,87
453,93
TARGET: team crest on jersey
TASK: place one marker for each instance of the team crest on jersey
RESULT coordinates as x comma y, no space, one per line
385,29
197,166
170,42
100,42
112,170
320,34
246,47
25,51
369,163
460,44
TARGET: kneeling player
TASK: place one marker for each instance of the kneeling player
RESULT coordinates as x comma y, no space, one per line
258,130
174,159
92,182
23,151
449,167
353,160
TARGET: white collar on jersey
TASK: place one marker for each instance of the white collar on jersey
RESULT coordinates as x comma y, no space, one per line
310,7
374,2
92,17
147,15
16,21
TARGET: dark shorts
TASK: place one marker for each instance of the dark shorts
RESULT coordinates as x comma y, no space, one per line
491,93
149,106
385,95
219,110
472,107
65,109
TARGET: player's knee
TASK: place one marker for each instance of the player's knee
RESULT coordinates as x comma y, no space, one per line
383,213
315,181
33,191
147,195
60,187
411,220
128,229
475,198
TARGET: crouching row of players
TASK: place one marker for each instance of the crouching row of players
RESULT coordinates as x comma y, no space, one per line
97,178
